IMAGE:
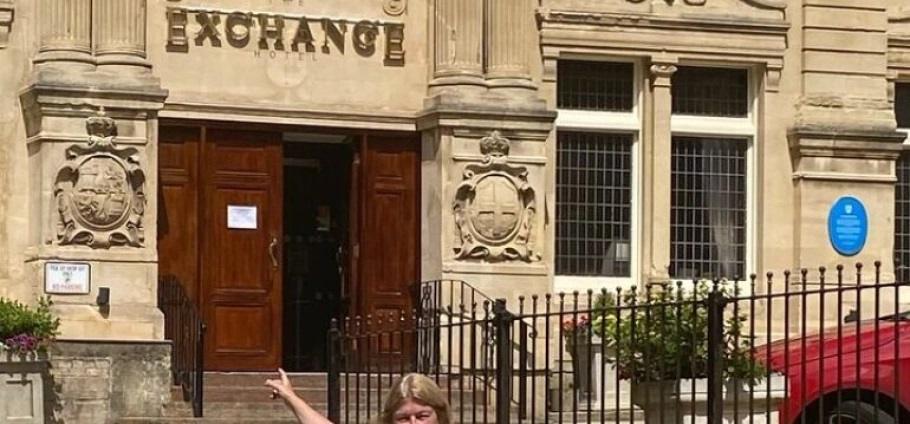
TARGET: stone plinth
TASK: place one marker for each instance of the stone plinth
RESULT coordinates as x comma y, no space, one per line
22,387
95,381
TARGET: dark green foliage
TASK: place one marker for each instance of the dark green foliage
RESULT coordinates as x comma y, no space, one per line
662,334
25,329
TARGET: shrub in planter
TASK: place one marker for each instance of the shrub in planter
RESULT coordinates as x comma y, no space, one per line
24,329
662,334
659,336
583,344
24,334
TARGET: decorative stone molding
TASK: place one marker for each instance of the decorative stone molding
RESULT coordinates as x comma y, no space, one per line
661,73
100,191
772,78
394,7
769,4
7,16
494,207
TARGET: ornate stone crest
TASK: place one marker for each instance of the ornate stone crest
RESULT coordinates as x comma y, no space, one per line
100,191
394,7
494,207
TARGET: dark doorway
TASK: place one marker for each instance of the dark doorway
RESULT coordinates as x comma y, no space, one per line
317,185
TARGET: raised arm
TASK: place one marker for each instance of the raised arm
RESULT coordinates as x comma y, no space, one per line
305,413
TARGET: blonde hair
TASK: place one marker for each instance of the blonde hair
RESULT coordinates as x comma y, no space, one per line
419,388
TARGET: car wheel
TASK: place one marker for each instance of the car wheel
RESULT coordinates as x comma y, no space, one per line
852,412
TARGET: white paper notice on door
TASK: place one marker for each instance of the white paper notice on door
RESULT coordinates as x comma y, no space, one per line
242,217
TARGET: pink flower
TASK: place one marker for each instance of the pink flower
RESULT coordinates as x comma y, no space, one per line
574,324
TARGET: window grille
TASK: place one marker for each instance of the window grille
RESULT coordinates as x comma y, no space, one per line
593,204
708,208
902,218
598,86
711,92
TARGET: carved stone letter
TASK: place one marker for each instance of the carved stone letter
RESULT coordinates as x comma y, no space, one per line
7,14
208,24
494,208
335,33
176,30
237,29
365,33
394,44
271,27
303,35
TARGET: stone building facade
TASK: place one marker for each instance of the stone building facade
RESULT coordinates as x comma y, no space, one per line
251,148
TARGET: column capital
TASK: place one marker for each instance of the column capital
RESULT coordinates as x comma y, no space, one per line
661,73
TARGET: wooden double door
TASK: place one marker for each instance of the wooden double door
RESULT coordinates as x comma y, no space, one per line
221,222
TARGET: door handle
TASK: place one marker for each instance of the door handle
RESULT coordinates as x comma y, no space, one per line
273,246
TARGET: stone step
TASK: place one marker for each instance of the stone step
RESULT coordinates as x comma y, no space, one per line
185,420
308,380
313,396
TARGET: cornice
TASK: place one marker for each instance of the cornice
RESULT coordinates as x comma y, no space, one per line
898,14
650,21
255,113
762,4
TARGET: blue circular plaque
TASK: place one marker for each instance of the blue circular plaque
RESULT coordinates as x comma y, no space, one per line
848,225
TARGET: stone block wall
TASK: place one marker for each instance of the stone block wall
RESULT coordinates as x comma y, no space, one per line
96,382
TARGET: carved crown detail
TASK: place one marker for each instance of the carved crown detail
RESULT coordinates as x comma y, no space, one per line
494,145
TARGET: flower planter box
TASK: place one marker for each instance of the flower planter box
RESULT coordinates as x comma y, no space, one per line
22,387
663,404
593,389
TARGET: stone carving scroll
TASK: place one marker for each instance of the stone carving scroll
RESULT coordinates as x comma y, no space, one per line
494,208
100,191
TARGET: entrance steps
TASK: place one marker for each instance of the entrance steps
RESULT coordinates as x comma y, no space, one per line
243,398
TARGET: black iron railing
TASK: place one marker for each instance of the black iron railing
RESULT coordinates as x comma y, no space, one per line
769,349
185,328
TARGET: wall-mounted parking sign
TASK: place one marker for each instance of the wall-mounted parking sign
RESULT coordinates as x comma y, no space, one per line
848,225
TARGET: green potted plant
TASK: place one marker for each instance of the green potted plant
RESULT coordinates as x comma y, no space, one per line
584,346
25,333
658,340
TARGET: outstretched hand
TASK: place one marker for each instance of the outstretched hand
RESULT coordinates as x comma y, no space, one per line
281,387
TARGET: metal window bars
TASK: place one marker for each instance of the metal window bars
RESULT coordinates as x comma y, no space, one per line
593,204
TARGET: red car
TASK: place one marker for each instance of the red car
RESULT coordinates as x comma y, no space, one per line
834,377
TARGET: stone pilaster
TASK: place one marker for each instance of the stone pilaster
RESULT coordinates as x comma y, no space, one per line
844,140
483,159
509,43
458,43
65,32
657,153
100,118
71,136
120,33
